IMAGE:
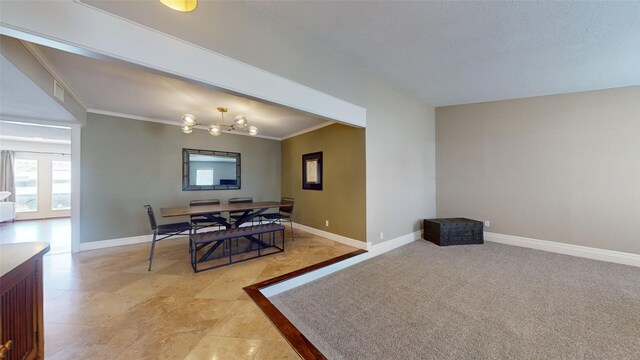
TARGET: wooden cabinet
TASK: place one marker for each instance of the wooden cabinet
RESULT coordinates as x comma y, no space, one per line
21,317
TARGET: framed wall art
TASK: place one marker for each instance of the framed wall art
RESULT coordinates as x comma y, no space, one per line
312,171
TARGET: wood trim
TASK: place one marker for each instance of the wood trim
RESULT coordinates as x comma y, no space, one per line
40,306
296,339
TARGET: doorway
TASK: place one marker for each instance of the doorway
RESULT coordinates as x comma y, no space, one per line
43,185
42,174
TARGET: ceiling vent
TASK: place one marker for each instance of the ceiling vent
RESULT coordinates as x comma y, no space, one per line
58,91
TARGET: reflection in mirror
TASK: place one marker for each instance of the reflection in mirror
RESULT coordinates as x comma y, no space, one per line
210,170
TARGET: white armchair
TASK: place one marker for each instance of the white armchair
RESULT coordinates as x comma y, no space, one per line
7,208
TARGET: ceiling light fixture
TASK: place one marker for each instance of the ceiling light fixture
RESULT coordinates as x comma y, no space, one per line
181,5
240,122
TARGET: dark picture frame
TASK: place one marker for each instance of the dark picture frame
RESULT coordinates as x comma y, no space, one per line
312,171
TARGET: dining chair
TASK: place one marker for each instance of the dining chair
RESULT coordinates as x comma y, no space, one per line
168,230
238,214
207,220
285,211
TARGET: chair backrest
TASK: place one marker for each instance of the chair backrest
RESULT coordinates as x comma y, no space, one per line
287,209
152,218
240,200
204,202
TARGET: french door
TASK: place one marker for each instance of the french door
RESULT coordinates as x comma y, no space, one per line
43,185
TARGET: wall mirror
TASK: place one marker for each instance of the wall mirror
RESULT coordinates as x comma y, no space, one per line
210,170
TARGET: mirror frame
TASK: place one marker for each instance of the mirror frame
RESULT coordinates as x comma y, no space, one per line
185,170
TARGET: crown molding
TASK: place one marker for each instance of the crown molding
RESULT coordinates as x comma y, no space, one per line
169,122
313,128
46,64
130,116
41,23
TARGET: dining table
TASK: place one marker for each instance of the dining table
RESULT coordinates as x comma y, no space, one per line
250,210
211,245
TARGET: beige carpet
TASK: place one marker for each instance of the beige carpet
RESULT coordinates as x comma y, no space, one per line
489,301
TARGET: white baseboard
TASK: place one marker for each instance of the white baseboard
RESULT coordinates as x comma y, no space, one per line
374,250
617,257
389,245
335,237
103,244
311,276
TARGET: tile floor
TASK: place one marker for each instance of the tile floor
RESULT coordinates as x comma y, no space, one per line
57,232
104,304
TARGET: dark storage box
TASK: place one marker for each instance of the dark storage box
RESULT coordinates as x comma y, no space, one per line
453,231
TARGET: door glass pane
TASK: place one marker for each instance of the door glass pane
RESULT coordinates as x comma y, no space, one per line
26,179
60,185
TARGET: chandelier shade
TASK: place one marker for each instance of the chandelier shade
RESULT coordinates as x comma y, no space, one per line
189,120
215,130
240,122
181,5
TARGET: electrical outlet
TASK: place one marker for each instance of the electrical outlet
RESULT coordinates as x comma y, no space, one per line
381,235
326,223
487,223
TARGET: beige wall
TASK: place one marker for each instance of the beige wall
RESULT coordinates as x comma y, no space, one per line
563,168
342,200
128,163
400,132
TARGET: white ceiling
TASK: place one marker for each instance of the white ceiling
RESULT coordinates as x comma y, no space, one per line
120,88
443,52
456,52
10,130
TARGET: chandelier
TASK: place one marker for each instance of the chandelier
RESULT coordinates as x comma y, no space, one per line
240,122
181,5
